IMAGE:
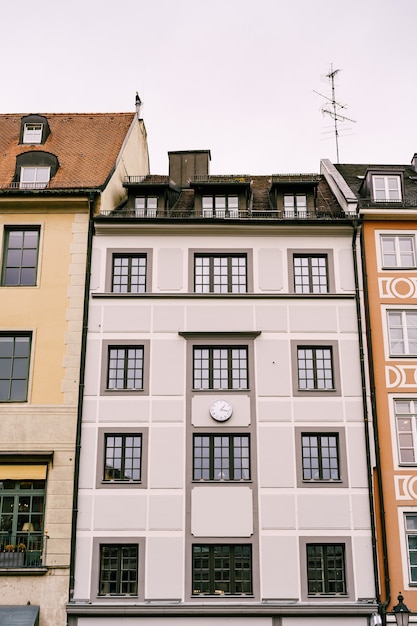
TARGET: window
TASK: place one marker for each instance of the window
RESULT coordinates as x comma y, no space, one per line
32,133
220,273
410,520
146,206
129,273
221,457
386,188
222,569
320,456
122,457
34,177
310,273
118,570
14,367
398,251
315,368
20,259
405,416
125,367
326,569
22,504
220,206
220,367
402,331
295,205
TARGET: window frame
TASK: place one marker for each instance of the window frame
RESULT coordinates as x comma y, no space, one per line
34,184
333,345
141,273
295,210
408,534
29,136
343,480
230,275
411,416
34,518
15,335
226,252
95,568
219,208
216,470
405,328
101,483
228,348
213,592
348,567
146,210
124,343
385,178
397,237
111,252
311,252
8,229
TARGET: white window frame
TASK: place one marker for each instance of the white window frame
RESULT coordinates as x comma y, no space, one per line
34,177
295,205
396,253
226,205
406,428
32,133
403,330
146,206
382,187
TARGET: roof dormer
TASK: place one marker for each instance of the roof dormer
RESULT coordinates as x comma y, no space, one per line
35,169
382,184
34,130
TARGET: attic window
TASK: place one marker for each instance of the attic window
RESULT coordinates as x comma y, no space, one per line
386,188
32,133
34,177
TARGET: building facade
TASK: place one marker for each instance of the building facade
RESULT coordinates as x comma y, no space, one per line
384,198
56,170
224,469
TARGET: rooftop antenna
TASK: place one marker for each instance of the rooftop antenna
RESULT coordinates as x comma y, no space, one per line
332,106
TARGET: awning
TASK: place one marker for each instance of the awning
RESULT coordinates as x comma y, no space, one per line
19,615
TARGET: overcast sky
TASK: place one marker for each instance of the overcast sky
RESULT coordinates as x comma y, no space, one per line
237,77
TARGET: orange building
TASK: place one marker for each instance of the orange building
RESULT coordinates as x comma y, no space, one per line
384,198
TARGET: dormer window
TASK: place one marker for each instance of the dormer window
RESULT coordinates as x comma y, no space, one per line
146,206
295,205
386,188
32,133
220,206
34,177
34,129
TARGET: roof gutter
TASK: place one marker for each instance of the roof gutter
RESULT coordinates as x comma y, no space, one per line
91,199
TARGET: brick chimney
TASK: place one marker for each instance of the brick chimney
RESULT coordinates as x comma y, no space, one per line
185,164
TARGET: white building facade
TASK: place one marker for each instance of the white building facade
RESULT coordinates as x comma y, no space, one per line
224,474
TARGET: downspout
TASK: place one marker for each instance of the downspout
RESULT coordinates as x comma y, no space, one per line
383,605
81,396
356,228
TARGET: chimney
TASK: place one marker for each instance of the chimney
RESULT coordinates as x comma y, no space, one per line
414,162
185,164
138,105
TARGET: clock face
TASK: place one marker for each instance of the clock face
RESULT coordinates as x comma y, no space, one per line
221,410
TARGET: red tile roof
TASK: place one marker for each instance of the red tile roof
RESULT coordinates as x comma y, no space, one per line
86,145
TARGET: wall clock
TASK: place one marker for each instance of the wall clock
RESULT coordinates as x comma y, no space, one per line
221,410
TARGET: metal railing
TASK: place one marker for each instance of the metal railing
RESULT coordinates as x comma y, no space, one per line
22,550
408,202
224,214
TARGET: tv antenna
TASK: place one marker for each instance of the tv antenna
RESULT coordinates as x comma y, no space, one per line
331,108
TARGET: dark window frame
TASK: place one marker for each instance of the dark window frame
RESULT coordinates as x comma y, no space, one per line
13,377
130,275
320,456
212,274
127,363
343,480
220,576
111,252
311,273
411,546
121,455
221,460
101,482
322,561
315,368
118,574
215,373
22,251
122,344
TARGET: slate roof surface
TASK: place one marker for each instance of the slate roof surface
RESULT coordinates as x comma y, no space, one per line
354,175
86,144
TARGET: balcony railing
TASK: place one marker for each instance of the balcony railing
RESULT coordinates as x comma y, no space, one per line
408,202
223,214
22,550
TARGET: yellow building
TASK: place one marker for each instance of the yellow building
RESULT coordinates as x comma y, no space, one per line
56,171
